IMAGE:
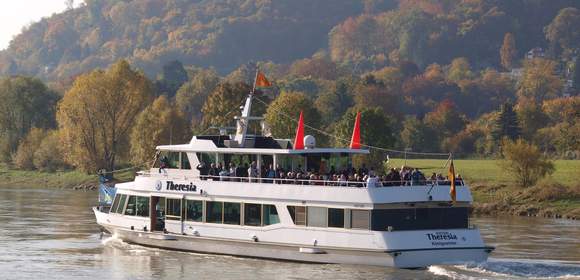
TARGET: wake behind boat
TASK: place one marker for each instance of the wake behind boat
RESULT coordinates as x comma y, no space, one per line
257,196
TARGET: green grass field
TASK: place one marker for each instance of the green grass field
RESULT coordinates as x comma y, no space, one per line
487,171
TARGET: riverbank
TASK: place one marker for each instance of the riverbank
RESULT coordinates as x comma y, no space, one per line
70,179
494,191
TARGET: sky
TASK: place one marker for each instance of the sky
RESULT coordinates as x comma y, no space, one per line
19,13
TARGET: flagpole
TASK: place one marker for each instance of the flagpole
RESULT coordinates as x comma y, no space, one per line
255,81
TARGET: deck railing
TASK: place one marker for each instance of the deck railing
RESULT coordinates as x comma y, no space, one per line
371,182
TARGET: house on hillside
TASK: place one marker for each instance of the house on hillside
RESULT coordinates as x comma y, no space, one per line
536,52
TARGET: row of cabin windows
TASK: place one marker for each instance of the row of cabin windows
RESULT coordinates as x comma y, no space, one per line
329,217
219,212
381,219
175,160
131,205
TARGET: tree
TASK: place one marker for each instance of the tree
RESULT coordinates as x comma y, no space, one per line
286,107
159,124
460,69
24,156
332,103
507,124
49,156
524,162
376,130
26,103
531,118
419,137
446,119
563,30
172,77
192,95
539,81
96,115
508,51
224,103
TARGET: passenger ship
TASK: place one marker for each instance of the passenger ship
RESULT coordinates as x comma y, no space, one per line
363,223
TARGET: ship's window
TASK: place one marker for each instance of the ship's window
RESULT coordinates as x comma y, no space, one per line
143,206
231,213
115,204
173,209
194,210
214,211
252,214
336,217
206,158
298,214
173,158
185,161
270,215
360,219
130,209
121,205
317,216
420,218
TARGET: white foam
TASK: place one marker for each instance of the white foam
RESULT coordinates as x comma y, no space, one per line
511,269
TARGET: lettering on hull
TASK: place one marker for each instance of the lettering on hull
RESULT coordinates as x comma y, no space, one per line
171,186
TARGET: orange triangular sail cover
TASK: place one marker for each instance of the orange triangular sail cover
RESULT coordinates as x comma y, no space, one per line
299,140
355,140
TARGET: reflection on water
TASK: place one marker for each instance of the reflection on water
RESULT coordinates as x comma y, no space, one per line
51,234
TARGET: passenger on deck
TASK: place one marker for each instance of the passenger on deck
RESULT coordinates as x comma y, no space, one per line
203,170
270,174
213,172
233,170
433,179
459,180
363,170
417,177
253,172
163,163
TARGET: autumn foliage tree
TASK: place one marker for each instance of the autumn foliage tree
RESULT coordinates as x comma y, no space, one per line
97,113
508,51
223,104
525,162
285,108
159,124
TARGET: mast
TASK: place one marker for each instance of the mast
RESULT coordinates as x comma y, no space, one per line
243,120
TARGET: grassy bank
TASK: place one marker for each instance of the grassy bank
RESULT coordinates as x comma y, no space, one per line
61,179
495,192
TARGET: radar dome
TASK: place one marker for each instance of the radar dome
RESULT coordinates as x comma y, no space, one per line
309,142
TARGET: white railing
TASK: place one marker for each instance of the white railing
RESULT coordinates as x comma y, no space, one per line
371,182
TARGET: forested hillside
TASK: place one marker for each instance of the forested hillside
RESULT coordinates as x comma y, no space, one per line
222,34
363,35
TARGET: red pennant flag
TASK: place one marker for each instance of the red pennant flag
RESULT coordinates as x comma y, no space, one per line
299,140
451,175
355,140
261,80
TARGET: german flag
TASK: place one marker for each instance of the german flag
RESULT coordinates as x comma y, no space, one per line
451,175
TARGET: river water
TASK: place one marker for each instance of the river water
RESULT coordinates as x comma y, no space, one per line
51,234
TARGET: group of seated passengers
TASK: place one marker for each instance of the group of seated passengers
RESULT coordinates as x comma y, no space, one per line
408,176
405,176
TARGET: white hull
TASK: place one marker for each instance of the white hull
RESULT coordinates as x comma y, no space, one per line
411,257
